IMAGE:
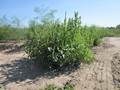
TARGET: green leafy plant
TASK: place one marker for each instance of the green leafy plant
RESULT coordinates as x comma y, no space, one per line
68,86
58,44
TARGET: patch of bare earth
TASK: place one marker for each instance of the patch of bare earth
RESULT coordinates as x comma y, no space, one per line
19,73
116,70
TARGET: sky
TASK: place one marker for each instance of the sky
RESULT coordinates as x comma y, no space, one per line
93,12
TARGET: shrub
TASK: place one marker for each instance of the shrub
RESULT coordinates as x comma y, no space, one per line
58,44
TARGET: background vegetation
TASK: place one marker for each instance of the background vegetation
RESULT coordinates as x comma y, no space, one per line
10,29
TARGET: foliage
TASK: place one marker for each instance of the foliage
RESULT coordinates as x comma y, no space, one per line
58,44
68,86
12,33
10,29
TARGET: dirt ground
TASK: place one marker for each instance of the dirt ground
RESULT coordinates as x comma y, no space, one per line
19,73
116,69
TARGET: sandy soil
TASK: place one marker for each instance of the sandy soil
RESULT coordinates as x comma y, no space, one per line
116,70
19,73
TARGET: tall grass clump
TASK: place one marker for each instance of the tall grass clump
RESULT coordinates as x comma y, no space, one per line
55,44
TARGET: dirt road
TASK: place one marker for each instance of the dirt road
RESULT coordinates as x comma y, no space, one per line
18,73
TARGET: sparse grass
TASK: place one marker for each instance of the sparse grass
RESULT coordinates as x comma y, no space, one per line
67,86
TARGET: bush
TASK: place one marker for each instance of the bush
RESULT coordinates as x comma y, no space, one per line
58,44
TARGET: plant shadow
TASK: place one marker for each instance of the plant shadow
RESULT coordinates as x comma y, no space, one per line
24,69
